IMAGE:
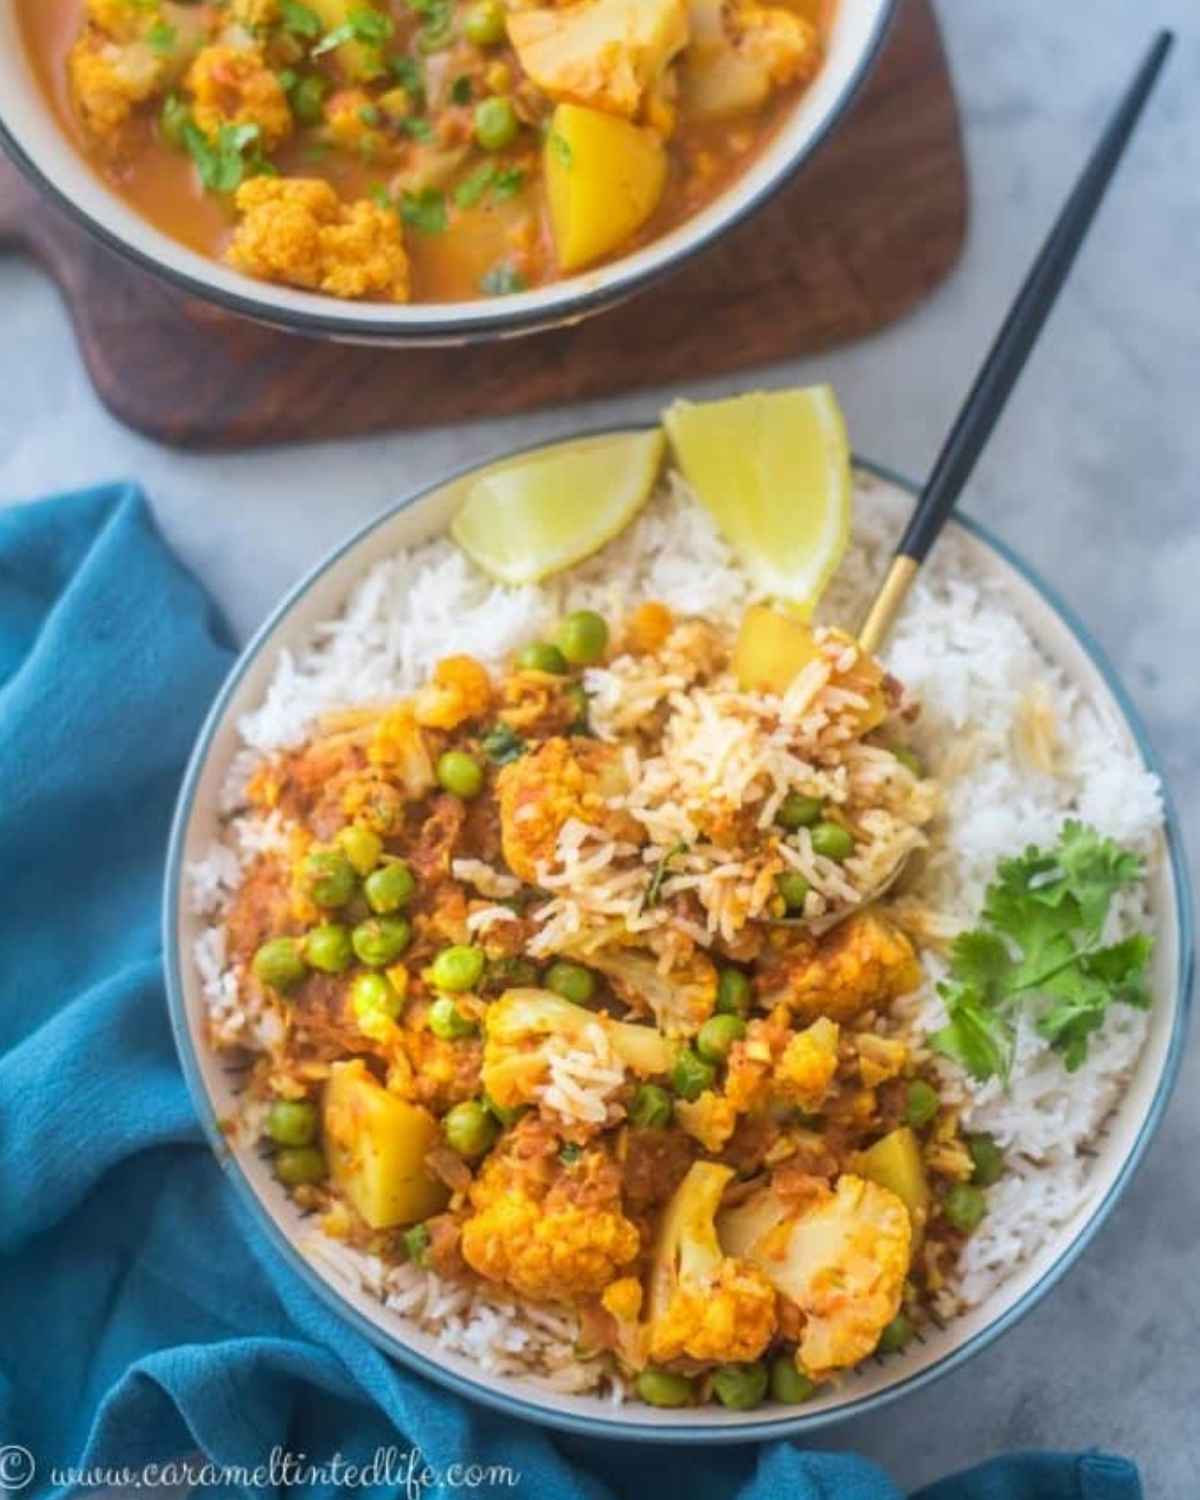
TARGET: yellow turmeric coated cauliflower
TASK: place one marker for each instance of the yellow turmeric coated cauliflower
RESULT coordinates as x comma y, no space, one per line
863,964
459,690
549,1242
842,1259
297,231
110,79
254,14
606,54
560,780
234,86
701,1303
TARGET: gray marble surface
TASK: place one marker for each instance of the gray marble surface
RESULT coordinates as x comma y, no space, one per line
1094,475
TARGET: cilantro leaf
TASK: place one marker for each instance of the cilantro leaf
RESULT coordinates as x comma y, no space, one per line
299,20
225,164
1043,917
437,23
502,745
977,1037
424,210
561,147
361,25
162,37
654,889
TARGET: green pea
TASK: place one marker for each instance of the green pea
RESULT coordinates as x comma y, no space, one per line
372,994
741,1387
733,993
458,968
361,847
717,1037
788,1384
832,841
921,1104
583,638
910,760
308,99
292,1122
328,948
965,1206
279,964
297,1165
793,887
651,1108
448,1022
416,1244
540,656
572,981
506,1116
330,877
895,1336
691,1075
380,941
796,811
461,774
988,1159
390,887
470,1129
663,1388
171,120
484,25
496,123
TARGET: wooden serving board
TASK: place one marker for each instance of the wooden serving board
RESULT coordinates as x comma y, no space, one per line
870,226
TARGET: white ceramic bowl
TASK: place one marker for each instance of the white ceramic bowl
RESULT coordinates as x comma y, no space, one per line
36,143
320,596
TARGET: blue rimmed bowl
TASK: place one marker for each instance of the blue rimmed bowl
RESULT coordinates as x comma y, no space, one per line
320,596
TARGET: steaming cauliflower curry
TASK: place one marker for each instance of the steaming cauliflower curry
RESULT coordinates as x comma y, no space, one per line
426,150
581,986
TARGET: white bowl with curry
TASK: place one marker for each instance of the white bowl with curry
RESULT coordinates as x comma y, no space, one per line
462,169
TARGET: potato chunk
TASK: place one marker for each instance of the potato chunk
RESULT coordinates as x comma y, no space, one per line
376,1145
604,178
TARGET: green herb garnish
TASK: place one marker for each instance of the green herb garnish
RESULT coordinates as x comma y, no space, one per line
408,74
161,37
460,90
299,20
1043,918
420,130
502,745
363,25
654,889
500,182
561,147
425,210
570,1154
235,156
437,23
502,281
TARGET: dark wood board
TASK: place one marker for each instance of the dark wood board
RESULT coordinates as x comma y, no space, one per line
870,226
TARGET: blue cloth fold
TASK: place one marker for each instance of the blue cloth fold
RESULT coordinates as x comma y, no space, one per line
143,1318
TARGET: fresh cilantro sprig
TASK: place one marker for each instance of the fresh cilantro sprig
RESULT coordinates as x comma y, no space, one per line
501,182
661,871
1043,919
362,25
235,155
300,20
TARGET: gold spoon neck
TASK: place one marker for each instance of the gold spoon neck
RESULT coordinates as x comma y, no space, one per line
887,605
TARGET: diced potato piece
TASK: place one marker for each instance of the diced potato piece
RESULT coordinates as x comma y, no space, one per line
606,54
359,61
604,178
895,1163
773,648
376,1146
739,54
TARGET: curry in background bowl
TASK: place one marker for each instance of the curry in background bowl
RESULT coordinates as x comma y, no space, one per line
439,151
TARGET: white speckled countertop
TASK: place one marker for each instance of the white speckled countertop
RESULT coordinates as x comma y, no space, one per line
1094,475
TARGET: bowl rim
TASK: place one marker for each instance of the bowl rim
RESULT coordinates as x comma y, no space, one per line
498,317
588,1426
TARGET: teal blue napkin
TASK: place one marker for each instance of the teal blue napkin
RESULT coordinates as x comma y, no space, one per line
142,1318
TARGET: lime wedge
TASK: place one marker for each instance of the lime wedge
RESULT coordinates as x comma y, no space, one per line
538,515
774,469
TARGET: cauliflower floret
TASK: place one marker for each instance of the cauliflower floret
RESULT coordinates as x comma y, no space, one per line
348,114
110,79
561,780
711,1119
804,1074
460,690
234,86
740,52
702,1304
296,230
680,1001
522,1024
841,1259
607,54
862,964
397,744
550,1244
